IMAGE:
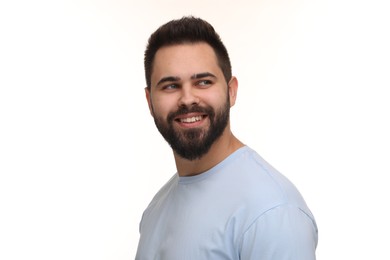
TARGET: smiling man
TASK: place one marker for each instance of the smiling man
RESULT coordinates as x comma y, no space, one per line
225,201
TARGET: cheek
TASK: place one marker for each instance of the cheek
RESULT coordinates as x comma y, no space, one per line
162,107
216,99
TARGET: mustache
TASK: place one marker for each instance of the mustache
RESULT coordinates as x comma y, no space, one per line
193,109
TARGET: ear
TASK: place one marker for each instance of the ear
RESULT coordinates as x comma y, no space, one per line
148,99
232,87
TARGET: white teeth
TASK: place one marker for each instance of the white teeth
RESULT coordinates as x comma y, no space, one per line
191,119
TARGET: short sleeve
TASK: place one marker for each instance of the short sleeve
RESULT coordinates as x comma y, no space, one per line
282,233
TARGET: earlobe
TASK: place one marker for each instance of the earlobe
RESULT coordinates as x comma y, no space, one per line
233,86
148,99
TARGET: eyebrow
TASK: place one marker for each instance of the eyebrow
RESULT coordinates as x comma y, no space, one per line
202,75
168,79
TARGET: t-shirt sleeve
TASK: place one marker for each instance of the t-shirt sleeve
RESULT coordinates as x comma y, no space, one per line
282,233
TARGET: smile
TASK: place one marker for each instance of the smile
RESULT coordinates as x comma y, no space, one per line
191,119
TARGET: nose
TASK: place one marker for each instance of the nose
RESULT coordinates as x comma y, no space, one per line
188,96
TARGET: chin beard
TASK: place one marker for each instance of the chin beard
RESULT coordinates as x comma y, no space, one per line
192,144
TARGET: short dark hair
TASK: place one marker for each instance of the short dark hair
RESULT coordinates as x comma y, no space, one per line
186,30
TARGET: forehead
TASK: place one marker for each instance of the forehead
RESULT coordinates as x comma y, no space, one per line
185,60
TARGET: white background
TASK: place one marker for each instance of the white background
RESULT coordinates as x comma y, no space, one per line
80,157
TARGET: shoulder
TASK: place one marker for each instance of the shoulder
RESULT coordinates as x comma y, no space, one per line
256,178
164,192
260,188
283,231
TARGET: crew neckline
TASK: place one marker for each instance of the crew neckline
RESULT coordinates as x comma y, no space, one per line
208,173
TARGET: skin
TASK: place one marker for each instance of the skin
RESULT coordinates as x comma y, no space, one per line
188,74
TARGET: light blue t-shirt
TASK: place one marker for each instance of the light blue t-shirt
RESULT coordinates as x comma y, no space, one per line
240,209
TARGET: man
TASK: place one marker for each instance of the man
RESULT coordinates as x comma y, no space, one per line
225,201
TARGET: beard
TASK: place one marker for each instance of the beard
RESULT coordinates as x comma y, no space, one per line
192,144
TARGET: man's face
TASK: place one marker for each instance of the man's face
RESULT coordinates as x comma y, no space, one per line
189,98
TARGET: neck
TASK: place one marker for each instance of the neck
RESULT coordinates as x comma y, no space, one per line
221,148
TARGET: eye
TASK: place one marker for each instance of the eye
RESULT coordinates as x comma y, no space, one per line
170,87
204,83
